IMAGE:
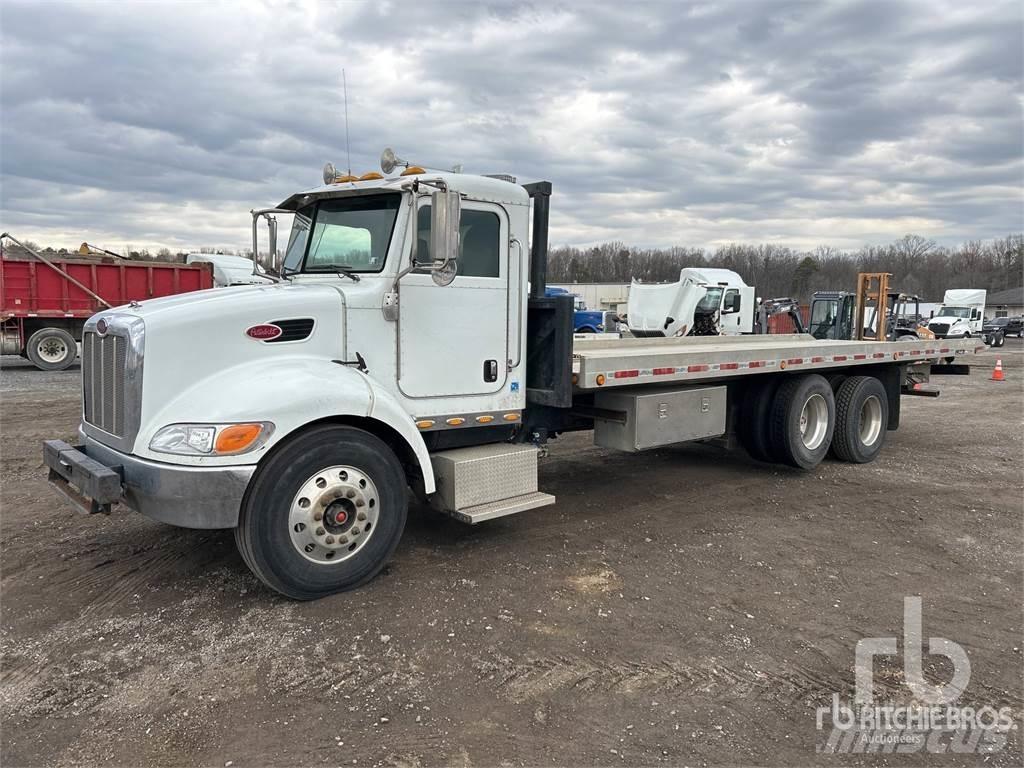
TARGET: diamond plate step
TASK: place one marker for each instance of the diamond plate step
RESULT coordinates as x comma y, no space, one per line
511,506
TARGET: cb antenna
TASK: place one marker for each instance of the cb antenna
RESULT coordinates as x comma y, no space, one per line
348,153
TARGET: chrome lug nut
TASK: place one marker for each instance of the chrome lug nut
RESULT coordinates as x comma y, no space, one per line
320,531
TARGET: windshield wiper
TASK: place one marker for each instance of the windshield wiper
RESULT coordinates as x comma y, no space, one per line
341,270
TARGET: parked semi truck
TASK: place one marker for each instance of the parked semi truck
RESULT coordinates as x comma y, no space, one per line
44,302
409,343
703,302
962,314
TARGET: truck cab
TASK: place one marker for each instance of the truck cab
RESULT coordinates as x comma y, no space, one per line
703,302
961,315
586,320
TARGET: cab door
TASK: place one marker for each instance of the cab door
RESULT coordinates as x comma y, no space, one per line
453,339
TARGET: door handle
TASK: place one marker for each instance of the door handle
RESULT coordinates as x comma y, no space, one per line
490,370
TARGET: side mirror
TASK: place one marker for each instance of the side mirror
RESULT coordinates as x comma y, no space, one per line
272,229
445,214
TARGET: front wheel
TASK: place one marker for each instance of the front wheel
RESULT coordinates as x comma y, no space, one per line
324,513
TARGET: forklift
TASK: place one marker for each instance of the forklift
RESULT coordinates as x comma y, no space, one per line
856,316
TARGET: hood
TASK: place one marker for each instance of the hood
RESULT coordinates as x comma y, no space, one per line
658,308
948,319
199,335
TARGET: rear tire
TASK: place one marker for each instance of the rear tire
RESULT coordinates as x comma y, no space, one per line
754,414
51,349
862,418
802,421
348,477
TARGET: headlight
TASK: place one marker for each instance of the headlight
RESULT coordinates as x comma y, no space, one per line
211,439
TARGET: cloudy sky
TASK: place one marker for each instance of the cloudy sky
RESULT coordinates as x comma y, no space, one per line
666,123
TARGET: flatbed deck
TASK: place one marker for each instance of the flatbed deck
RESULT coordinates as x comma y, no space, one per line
631,361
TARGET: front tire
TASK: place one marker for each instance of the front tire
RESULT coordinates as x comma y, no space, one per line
324,513
862,419
802,421
51,349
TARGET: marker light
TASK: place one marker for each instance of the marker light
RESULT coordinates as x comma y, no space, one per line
412,170
370,176
237,438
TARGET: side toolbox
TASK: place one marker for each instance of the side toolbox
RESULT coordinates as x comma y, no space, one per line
487,481
637,421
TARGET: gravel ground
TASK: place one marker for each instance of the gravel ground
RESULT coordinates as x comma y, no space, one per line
682,607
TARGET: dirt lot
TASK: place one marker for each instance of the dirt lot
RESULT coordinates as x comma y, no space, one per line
685,607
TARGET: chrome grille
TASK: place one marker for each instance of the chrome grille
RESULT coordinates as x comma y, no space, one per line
104,367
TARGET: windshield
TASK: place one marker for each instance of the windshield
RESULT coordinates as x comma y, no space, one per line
350,233
954,312
999,321
711,301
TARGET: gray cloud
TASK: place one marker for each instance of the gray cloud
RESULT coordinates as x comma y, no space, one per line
696,124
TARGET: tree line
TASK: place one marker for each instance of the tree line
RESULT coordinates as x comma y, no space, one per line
918,265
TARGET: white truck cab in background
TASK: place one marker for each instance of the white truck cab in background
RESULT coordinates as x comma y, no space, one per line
703,302
961,315
229,270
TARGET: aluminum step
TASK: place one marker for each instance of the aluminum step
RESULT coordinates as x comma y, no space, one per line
493,509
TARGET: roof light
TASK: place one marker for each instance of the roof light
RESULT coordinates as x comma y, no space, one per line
370,176
334,176
412,170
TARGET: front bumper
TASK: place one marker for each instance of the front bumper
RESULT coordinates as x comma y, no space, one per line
92,477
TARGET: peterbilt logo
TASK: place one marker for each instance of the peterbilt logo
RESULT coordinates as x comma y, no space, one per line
263,332
101,326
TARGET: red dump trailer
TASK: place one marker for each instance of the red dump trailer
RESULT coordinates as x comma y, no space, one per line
45,301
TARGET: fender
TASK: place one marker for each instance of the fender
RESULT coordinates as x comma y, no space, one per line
291,392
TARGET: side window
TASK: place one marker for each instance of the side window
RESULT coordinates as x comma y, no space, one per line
731,303
479,242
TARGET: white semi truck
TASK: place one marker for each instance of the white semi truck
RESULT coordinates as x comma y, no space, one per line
408,343
961,315
703,302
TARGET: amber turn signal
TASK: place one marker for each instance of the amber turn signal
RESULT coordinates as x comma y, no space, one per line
237,438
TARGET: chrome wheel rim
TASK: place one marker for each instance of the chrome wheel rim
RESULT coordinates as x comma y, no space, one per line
813,422
870,421
333,514
52,349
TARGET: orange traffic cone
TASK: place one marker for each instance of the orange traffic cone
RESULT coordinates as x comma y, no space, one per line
997,374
